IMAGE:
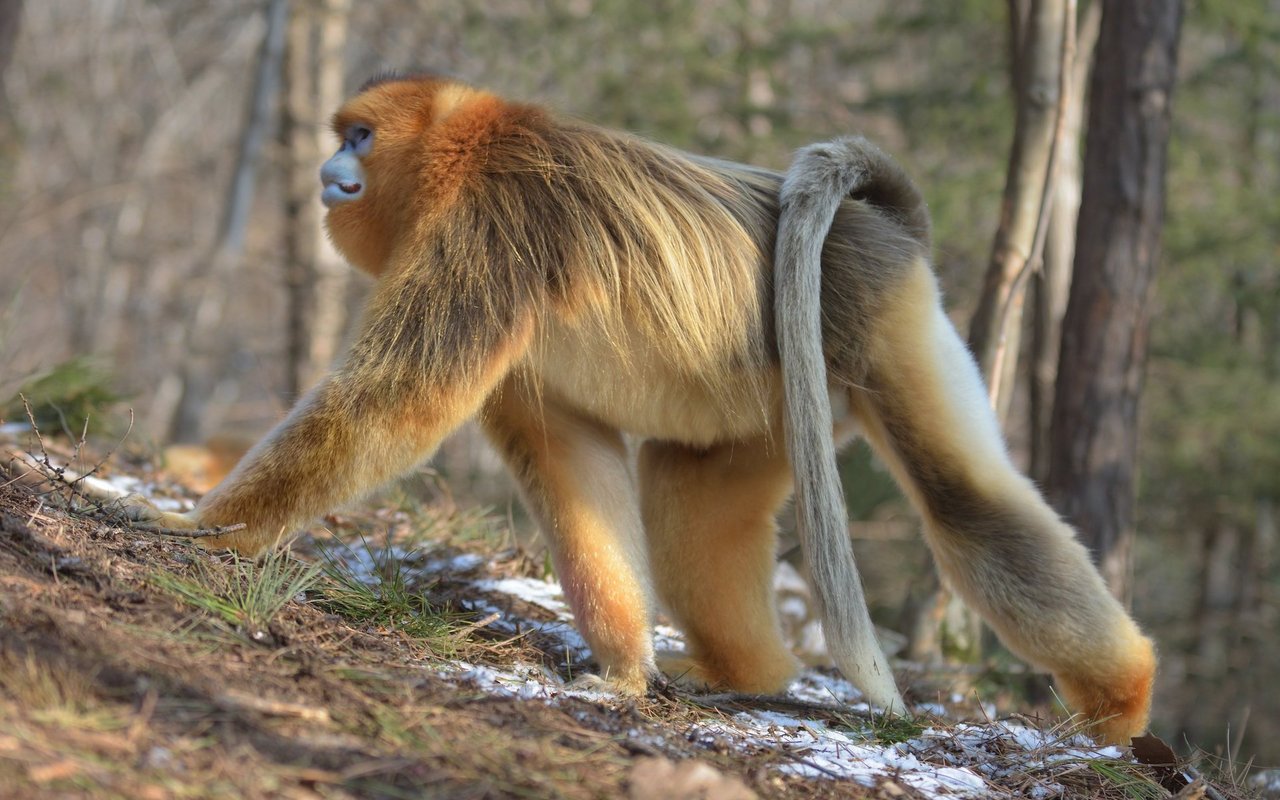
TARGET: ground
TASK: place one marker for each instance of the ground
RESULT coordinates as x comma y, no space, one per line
403,654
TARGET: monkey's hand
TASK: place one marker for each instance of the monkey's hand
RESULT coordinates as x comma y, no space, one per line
142,514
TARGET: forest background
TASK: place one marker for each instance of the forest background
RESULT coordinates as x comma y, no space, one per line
130,127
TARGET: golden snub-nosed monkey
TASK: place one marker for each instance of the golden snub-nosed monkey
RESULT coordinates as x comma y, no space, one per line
569,285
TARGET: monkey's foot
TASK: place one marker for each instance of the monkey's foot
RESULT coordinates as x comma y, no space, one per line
684,671
625,687
765,672
1119,702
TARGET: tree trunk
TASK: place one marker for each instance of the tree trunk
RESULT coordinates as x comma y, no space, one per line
1218,582
10,20
1052,282
1254,603
333,276
316,276
1104,332
10,17
1037,74
301,154
200,372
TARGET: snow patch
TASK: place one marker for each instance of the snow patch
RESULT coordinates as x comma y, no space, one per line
821,752
531,590
119,486
368,564
560,632
820,688
522,681
958,762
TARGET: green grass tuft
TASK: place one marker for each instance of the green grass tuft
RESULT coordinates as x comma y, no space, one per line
390,598
887,729
1124,776
63,397
242,593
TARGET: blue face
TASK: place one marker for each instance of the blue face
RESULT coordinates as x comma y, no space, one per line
343,175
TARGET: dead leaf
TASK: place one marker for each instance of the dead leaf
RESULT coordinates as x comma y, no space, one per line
664,779
1155,753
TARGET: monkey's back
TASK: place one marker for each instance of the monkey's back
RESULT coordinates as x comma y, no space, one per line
673,275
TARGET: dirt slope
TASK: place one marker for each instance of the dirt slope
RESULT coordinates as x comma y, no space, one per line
136,666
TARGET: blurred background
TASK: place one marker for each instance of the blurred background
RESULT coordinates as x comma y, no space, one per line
160,242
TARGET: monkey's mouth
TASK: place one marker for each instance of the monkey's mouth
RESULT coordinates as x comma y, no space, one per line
338,192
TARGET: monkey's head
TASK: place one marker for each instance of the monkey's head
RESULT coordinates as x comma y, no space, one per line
381,182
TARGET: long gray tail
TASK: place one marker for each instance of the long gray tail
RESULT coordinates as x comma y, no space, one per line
820,178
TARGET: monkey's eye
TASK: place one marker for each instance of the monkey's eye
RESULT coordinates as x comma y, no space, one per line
360,138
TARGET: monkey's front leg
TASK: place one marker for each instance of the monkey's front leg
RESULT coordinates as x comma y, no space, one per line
339,442
575,479
354,432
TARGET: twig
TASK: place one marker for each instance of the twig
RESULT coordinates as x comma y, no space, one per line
237,701
482,623
104,502
1196,777
178,533
94,470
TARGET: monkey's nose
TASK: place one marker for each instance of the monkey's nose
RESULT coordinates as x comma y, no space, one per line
343,180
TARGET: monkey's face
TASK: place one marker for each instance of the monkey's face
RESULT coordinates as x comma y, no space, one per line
406,147
357,229
369,184
342,176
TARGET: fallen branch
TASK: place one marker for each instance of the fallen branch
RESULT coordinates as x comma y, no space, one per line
742,701
238,701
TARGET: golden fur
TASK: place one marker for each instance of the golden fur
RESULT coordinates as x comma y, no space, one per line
568,285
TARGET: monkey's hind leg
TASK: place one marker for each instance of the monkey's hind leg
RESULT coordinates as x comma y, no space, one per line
996,540
709,517
575,479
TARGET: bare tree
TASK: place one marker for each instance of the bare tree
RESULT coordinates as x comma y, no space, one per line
1104,333
1039,32
10,16
199,353
316,276
1052,281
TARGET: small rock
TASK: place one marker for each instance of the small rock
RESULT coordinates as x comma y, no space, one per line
664,779
159,758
